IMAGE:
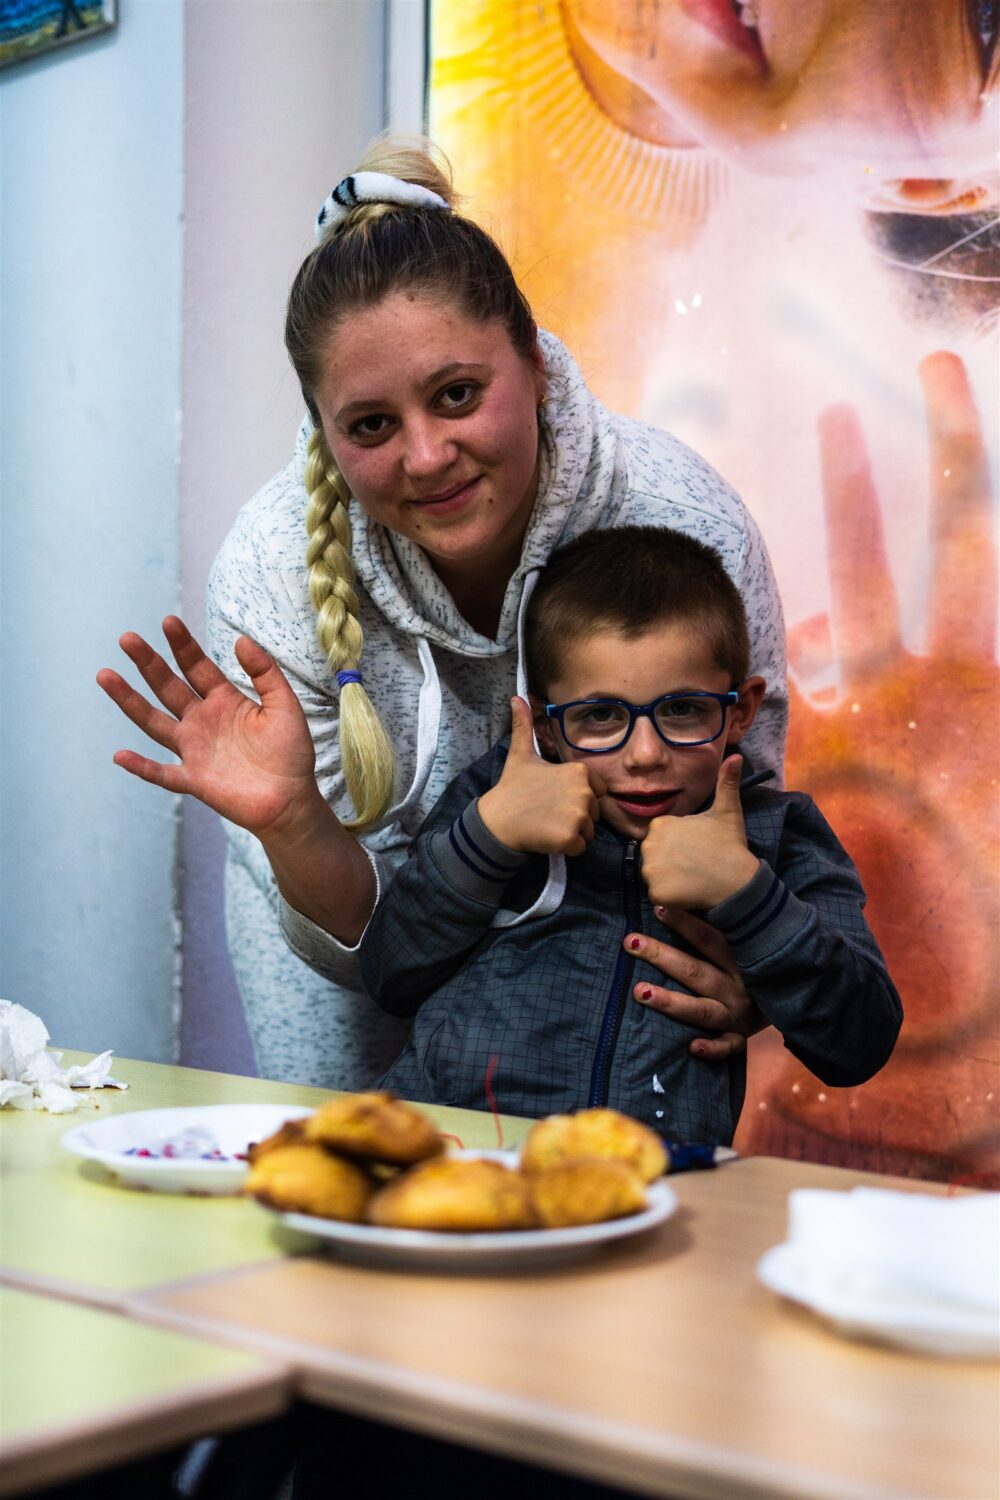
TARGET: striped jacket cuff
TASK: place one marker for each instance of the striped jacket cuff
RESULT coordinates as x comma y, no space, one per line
472,860
759,918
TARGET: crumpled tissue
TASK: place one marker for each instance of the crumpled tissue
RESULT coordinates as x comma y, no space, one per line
31,1078
899,1247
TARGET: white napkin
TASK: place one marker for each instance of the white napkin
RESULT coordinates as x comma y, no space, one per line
892,1248
31,1078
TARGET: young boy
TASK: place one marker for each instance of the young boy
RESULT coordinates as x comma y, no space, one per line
637,657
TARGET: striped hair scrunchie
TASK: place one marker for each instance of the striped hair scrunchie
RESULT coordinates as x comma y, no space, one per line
371,187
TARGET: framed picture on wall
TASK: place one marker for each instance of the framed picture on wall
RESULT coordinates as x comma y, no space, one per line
31,27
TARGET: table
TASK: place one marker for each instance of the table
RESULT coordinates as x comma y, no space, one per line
84,1245
661,1366
69,1229
81,1390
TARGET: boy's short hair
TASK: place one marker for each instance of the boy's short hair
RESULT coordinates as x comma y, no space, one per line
629,579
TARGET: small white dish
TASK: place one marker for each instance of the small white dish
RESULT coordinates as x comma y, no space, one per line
201,1149
919,1325
509,1250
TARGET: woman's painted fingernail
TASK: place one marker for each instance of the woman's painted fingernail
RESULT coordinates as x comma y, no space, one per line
635,944
646,994
661,912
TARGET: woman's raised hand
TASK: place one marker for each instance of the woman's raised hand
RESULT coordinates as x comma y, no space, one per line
252,762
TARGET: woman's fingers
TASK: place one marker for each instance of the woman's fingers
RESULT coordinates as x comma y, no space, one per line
701,978
170,777
718,1048
175,693
701,935
863,606
159,677
718,998
734,1015
199,669
691,1010
964,579
159,726
269,681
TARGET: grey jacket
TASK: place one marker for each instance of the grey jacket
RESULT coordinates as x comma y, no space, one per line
546,1009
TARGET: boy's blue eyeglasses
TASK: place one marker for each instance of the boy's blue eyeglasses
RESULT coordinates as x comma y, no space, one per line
599,725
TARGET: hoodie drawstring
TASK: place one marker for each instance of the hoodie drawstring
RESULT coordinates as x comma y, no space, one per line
554,889
428,730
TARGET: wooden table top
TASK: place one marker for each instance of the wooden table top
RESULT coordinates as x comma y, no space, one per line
68,1227
82,1390
661,1365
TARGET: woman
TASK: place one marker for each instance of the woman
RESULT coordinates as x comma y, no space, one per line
450,447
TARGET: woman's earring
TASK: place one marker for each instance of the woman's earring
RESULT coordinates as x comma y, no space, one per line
543,401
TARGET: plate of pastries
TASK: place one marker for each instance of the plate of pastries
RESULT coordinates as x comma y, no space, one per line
373,1178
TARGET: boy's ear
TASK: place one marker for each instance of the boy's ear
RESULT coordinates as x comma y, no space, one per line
543,727
743,715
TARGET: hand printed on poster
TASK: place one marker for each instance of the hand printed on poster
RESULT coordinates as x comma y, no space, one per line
904,763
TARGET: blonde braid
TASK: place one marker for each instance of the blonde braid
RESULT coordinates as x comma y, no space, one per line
366,753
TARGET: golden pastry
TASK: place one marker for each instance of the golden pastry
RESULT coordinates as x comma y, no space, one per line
288,1134
375,1127
586,1192
306,1179
594,1132
459,1194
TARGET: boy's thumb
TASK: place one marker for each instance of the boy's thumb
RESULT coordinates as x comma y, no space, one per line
522,739
727,788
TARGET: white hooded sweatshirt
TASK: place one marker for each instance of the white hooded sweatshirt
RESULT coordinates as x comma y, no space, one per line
441,689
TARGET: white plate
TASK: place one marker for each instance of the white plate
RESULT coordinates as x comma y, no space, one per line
513,1250
227,1129
917,1325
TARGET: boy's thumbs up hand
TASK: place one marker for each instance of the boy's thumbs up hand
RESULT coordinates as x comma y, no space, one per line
537,806
522,734
699,860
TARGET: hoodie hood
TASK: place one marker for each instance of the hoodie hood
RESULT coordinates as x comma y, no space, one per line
576,478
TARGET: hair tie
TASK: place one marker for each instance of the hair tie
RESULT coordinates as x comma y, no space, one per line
343,678
371,187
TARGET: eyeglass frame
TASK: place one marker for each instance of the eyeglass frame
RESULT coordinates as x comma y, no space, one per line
643,711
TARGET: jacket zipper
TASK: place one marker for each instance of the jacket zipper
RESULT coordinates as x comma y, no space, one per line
600,1076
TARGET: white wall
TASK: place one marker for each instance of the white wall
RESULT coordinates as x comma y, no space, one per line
281,98
90,283
158,191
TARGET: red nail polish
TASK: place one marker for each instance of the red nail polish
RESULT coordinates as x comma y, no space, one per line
635,943
647,993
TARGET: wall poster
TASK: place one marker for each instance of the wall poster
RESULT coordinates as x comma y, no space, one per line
772,228
30,27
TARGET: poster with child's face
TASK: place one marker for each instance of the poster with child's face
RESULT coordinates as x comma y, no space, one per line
772,227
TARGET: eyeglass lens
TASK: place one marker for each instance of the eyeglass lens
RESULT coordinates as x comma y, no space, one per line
602,726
